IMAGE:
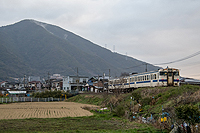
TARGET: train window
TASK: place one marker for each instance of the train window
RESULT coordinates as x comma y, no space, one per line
162,73
176,73
155,76
145,77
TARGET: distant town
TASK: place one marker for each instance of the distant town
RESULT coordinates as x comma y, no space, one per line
56,82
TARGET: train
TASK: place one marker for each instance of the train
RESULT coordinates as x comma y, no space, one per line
160,77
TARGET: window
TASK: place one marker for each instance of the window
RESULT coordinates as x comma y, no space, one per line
84,80
163,73
176,73
132,79
148,77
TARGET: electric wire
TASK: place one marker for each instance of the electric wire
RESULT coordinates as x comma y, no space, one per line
175,61
179,60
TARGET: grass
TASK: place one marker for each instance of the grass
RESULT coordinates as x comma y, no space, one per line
97,123
86,99
105,121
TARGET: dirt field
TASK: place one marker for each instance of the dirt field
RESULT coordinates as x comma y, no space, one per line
43,110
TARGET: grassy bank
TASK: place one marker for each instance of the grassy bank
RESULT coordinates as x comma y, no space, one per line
97,123
147,102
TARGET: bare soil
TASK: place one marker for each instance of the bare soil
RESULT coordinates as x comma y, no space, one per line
43,110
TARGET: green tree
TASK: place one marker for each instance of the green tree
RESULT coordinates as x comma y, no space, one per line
136,95
189,113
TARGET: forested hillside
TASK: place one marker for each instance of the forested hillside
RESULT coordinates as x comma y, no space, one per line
34,48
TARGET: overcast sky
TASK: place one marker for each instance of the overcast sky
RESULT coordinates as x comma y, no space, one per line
154,31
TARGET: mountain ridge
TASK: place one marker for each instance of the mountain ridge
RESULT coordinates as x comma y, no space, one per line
41,48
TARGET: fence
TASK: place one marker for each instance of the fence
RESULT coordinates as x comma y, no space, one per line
28,99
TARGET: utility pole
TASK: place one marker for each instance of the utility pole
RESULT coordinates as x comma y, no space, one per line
98,82
109,75
48,81
103,81
27,81
108,80
24,80
77,79
146,67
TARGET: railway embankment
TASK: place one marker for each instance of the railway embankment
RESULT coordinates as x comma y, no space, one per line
161,107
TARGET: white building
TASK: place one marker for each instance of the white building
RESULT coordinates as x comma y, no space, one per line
70,83
56,76
34,78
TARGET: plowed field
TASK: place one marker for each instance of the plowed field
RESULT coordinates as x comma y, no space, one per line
43,110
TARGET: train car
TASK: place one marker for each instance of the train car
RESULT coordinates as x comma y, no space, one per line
161,77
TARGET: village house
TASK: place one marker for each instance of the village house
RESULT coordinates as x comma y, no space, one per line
35,85
3,84
57,84
98,84
70,83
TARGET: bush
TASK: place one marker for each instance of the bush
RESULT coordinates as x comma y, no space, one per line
119,111
46,94
146,101
189,113
136,95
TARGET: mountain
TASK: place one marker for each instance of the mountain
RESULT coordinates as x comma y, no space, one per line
35,48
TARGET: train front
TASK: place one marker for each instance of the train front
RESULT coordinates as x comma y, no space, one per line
169,77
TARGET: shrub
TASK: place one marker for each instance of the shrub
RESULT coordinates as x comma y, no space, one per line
189,113
136,95
146,101
46,94
119,111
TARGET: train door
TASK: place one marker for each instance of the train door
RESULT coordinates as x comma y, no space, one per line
170,78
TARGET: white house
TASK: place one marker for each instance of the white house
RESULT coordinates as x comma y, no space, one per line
3,83
70,83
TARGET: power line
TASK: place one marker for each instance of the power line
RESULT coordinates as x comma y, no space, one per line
185,58
182,59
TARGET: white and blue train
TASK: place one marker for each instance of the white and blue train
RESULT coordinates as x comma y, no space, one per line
161,77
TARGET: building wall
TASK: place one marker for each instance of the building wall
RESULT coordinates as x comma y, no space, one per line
66,84
70,81
34,78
